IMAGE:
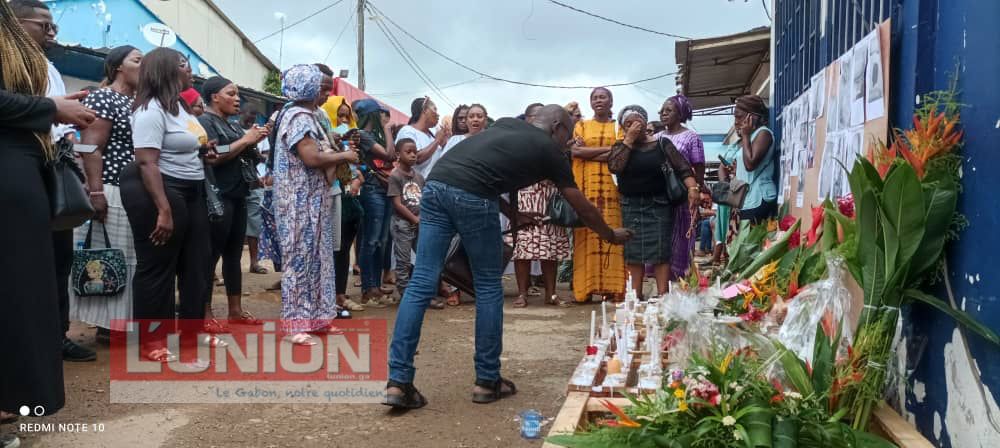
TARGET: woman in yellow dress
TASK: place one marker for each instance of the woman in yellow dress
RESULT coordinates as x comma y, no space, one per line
598,266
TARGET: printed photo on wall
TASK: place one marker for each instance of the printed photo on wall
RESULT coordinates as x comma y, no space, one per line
844,92
859,66
817,95
811,144
875,84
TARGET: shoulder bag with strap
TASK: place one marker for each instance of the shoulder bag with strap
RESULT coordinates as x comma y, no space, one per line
676,191
98,272
69,202
247,159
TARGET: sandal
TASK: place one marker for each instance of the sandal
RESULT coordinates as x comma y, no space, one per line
521,301
455,298
436,303
161,355
258,270
214,326
411,398
245,318
211,340
558,301
303,339
352,305
497,390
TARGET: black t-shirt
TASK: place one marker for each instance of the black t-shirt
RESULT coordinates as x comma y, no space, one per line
228,177
507,157
643,174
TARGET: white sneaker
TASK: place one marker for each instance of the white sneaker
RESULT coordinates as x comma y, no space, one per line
373,302
353,306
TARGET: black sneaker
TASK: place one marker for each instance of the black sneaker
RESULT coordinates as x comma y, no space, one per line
9,441
75,353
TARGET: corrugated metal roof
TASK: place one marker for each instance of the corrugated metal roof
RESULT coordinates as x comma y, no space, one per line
716,70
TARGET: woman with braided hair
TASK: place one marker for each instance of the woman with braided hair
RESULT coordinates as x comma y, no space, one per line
29,310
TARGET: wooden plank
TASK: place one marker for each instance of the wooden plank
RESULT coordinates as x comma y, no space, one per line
594,405
898,430
570,416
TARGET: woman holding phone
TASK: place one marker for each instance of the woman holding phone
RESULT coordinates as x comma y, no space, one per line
233,174
755,163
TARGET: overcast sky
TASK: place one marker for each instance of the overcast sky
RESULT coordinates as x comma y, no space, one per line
526,40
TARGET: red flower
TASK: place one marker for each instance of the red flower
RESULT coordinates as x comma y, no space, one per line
786,223
817,223
846,205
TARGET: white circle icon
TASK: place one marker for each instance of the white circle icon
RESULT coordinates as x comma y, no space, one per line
39,411
24,411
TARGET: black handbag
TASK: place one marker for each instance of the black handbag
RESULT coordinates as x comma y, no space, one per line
68,200
730,193
98,272
560,213
676,191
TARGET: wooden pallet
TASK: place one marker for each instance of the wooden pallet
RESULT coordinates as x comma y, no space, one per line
580,407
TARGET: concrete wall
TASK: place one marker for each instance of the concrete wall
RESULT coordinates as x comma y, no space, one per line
942,391
208,34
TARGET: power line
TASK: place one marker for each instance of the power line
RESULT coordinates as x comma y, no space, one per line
314,14
509,81
766,12
616,22
398,46
342,30
414,92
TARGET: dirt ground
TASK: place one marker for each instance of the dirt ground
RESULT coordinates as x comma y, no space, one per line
542,345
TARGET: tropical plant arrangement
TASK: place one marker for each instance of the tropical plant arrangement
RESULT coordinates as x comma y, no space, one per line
758,396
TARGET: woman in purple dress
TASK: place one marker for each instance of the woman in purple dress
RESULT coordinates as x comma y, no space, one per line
675,112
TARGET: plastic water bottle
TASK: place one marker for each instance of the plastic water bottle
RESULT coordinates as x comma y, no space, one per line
531,424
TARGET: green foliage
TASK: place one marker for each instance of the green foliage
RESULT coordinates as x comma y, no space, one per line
775,252
272,83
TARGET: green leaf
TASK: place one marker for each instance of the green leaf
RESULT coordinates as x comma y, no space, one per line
960,316
871,255
777,250
864,439
813,268
824,354
940,206
795,369
903,205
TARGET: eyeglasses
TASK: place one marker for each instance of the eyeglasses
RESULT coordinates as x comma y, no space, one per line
45,24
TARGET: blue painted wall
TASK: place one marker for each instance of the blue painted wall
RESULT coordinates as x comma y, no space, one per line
938,387
111,23
938,38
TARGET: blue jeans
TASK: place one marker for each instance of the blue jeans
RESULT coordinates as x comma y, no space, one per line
374,240
705,235
444,211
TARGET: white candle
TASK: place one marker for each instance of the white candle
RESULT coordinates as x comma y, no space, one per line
604,320
593,318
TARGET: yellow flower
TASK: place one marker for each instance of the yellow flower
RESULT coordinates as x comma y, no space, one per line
682,406
725,362
772,225
679,393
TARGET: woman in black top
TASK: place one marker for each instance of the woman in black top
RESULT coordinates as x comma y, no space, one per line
637,160
232,174
29,309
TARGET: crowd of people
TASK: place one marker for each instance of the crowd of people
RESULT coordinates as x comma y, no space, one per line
181,179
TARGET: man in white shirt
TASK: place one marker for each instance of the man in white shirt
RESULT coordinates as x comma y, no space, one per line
36,19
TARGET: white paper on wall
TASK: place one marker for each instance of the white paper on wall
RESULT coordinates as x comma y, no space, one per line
874,82
859,68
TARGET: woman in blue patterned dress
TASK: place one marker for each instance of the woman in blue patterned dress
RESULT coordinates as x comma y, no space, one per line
302,202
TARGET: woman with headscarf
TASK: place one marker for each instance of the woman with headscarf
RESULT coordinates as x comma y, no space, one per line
676,111
29,325
303,153
163,192
351,212
232,174
755,162
192,97
111,134
637,159
598,266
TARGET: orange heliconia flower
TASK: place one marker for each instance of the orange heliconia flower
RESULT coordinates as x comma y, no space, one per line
931,136
623,419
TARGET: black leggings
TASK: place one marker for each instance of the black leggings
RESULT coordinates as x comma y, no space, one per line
228,234
62,242
184,259
342,258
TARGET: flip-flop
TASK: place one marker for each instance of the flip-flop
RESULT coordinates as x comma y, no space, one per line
520,302
258,270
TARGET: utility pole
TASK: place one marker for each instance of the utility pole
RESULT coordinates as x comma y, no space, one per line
361,44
